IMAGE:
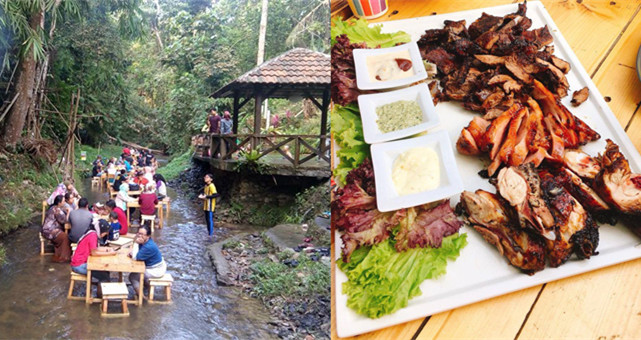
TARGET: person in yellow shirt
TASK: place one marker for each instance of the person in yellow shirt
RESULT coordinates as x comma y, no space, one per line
209,198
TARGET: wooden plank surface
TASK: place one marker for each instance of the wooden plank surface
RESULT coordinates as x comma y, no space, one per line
605,36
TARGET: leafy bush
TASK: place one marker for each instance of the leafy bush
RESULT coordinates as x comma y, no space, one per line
177,165
276,279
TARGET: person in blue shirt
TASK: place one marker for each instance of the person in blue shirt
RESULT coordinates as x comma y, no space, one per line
145,249
114,231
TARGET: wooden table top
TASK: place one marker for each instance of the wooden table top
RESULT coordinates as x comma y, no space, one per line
120,262
605,35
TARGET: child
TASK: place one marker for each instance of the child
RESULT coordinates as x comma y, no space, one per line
114,232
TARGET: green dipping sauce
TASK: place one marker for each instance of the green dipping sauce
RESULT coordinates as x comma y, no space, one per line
398,115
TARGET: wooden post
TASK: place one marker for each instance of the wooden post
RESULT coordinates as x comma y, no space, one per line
323,130
236,110
257,119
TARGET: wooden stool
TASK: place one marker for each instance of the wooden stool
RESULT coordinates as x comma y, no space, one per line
76,277
151,218
44,210
95,182
114,291
43,242
164,281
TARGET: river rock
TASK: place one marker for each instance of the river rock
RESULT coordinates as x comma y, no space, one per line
286,236
224,276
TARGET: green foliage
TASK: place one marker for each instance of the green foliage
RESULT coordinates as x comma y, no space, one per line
177,165
250,161
232,244
22,190
276,279
106,151
3,255
309,203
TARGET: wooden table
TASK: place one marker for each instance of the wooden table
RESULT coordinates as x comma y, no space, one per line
606,303
121,263
159,205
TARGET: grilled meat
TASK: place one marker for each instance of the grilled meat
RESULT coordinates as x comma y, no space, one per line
488,214
576,230
581,191
581,164
616,183
520,186
578,97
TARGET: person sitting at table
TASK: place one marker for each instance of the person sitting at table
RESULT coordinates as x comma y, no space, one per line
145,249
114,231
81,219
70,203
53,229
149,174
161,186
140,179
71,189
88,245
148,200
123,197
97,166
120,178
122,216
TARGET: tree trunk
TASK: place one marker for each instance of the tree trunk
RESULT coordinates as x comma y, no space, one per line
261,35
26,81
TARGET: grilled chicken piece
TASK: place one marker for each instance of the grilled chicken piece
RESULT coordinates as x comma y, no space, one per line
616,183
576,230
493,137
510,139
578,97
539,137
581,163
488,215
520,186
522,139
468,142
560,63
581,191
486,23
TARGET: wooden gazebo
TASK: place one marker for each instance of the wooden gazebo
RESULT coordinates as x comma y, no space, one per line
297,73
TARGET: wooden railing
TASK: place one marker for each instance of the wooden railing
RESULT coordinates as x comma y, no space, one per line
297,149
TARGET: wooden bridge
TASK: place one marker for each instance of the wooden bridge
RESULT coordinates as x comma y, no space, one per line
288,155
298,73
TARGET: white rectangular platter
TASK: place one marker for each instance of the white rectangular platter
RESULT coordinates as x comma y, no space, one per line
480,272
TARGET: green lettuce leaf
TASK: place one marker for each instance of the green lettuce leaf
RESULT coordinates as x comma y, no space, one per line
381,280
348,135
358,31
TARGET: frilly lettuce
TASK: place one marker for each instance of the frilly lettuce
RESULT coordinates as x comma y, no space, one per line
381,280
358,31
348,134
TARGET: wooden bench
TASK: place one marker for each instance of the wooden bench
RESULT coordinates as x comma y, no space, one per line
75,277
114,291
164,281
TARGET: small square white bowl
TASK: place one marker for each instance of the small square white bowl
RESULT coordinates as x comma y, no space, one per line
362,73
369,102
383,156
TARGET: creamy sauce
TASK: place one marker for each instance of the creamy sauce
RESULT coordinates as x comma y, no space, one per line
384,67
398,115
416,170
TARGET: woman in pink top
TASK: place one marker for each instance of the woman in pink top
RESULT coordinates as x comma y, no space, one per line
88,245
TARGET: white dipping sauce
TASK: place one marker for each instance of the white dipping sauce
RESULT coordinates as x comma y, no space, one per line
386,68
416,170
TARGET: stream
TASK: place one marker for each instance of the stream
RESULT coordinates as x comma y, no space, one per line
33,290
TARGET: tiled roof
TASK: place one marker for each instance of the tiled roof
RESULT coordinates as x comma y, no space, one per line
299,65
294,68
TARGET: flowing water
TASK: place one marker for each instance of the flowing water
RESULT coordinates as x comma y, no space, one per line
33,290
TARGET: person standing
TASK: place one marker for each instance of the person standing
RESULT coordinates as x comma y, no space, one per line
214,122
226,126
209,205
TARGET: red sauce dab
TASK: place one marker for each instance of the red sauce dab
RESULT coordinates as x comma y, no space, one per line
404,64
636,181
